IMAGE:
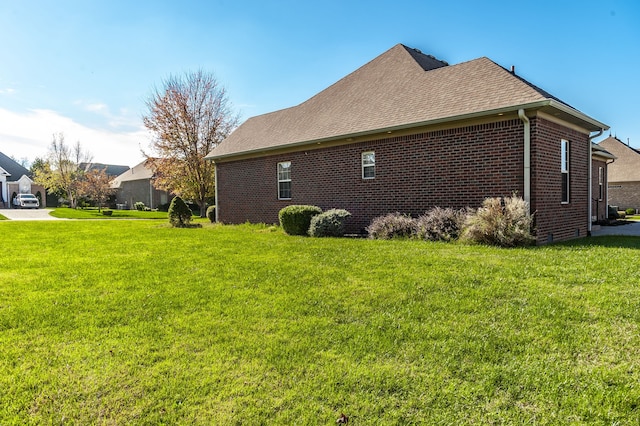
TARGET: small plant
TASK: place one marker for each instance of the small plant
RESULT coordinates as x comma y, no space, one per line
329,223
504,222
295,219
630,211
211,213
139,205
392,225
440,224
179,213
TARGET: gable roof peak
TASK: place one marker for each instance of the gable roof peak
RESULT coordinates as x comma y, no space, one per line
427,62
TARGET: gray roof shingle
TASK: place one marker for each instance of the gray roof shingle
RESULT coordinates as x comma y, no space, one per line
400,88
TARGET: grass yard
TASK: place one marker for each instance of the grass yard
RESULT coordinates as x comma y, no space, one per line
133,322
93,213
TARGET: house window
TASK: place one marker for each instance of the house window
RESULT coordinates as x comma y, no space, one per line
368,165
284,180
600,183
564,169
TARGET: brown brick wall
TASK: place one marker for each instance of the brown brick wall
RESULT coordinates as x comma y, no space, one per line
624,195
556,221
598,206
448,168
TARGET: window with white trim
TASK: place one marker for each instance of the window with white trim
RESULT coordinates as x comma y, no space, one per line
564,169
284,180
368,165
600,183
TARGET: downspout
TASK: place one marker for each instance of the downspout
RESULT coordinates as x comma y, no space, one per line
527,156
590,210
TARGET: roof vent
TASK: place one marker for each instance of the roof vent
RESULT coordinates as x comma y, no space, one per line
513,69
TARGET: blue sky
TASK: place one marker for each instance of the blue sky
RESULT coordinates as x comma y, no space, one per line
85,67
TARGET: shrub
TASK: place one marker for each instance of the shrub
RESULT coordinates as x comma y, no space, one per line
295,219
502,222
613,212
329,223
440,224
179,213
139,205
164,207
630,211
392,225
211,213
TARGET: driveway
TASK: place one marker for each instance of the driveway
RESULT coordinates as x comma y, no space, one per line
27,214
631,229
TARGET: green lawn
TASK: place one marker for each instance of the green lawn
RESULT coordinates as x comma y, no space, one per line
93,213
134,322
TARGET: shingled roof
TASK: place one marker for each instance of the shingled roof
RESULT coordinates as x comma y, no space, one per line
15,170
402,88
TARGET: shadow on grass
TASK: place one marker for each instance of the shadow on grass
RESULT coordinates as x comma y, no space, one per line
613,241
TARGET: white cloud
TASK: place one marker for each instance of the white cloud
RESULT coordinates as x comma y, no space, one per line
29,135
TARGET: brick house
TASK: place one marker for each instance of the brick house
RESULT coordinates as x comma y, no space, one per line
16,179
624,174
136,185
407,132
600,161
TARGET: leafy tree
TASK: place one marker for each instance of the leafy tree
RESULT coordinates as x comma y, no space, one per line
96,186
188,117
61,172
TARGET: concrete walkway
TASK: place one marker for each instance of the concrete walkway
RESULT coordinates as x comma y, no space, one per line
28,214
630,229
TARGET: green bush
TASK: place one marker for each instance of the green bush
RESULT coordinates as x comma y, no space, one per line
179,213
440,224
630,211
329,223
139,205
392,225
504,222
211,213
296,219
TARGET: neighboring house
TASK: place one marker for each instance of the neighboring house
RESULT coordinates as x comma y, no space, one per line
136,185
624,174
407,132
111,170
14,180
600,160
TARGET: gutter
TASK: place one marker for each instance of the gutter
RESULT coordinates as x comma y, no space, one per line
590,209
527,156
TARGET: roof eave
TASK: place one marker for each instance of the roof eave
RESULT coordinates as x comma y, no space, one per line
591,124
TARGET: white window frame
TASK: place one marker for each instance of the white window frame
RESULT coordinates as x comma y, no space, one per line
368,165
284,176
564,171
600,183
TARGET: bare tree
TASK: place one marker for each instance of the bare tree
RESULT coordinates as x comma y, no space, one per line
188,117
61,172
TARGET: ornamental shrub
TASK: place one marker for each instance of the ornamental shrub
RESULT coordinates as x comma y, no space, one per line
211,213
296,219
139,205
439,224
179,213
392,225
630,211
504,222
329,223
